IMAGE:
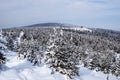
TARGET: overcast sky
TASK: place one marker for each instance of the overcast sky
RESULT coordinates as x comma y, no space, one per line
90,13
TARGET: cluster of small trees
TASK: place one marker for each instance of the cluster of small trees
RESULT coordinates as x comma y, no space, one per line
98,52
31,50
61,55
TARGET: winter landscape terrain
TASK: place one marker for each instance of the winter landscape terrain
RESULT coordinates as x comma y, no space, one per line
53,51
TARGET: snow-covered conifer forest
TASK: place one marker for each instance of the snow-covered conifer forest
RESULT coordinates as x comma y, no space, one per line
59,52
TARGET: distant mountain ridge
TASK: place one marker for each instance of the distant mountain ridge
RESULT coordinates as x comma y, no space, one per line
53,25
46,24
67,26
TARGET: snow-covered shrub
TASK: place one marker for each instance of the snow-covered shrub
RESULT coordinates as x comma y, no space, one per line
11,39
31,48
2,50
116,67
2,60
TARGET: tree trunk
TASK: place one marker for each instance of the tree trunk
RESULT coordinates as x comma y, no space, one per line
107,77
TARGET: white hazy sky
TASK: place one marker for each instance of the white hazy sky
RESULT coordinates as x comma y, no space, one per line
90,13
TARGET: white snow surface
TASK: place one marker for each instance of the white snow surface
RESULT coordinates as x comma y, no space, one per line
78,28
23,70
82,29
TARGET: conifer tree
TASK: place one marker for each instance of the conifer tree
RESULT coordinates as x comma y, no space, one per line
2,50
61,55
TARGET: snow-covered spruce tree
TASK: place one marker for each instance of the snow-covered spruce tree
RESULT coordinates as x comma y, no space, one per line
2,49
12,40
116,68
34,53
103,62
30,49
61,55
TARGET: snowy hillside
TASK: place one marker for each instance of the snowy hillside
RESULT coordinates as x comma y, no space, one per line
23,70
59,53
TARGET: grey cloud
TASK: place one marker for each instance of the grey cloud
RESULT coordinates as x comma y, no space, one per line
86,12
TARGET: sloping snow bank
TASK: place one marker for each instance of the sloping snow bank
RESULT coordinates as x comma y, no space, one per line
86,74
23,70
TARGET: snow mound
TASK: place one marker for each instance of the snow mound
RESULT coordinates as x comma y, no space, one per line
23,70
80,28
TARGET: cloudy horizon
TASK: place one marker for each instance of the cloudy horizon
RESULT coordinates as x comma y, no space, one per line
90,13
